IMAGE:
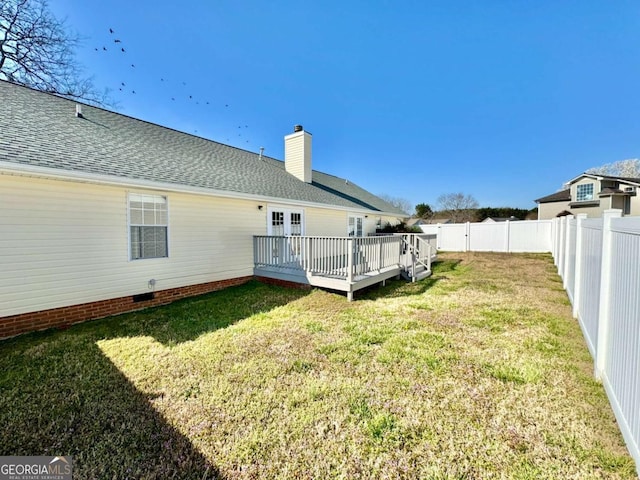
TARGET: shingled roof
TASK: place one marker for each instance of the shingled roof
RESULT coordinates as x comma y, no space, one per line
561,196
40,130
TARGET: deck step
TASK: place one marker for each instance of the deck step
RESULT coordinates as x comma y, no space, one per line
420,273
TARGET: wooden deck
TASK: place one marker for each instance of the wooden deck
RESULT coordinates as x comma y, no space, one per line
345,264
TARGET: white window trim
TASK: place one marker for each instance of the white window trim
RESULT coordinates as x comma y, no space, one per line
128,207
593,190
287,212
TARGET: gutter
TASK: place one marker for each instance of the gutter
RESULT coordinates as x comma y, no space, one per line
24,170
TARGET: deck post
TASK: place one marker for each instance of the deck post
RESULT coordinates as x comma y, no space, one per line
380,253
350,261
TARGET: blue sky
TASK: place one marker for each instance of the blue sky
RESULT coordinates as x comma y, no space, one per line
503,100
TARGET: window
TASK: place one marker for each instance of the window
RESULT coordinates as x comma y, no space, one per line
148,220
584,192
355,226
626,210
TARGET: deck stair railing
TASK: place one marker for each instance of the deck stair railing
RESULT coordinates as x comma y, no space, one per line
418,253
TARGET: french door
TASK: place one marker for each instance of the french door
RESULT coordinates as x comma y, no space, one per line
287,223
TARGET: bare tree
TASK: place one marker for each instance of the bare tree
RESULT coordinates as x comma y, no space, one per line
398,202
629,168
458,206
37,50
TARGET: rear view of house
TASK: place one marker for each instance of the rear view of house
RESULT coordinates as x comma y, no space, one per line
101,213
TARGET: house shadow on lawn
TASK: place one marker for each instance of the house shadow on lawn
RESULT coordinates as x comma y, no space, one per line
62,396
402,288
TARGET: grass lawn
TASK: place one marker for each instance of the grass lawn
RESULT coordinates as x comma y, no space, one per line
477,372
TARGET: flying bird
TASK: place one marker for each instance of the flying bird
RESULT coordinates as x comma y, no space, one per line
122,50
133,91
133,65
104,48
117,41
122,83
110,30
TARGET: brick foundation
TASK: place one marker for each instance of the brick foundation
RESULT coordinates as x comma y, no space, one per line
283,283
65,316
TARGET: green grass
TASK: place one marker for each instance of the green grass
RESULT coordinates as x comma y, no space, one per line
476,372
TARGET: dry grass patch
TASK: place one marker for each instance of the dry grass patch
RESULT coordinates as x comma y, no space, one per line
477,372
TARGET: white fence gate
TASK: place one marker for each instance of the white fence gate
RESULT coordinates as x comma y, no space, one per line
523,236
599,262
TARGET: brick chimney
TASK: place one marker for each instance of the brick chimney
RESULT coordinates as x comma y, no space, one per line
297,154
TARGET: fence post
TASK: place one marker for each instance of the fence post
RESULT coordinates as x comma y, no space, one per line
605,292
561,246
554,240
577,291
467,236
567,250
507,227
438,236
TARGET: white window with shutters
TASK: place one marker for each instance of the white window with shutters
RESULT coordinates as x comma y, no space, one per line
148,226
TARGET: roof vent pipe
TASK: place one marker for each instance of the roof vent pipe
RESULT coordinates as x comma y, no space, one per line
297,128
79,111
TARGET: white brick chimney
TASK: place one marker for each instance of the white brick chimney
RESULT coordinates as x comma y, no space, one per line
297,154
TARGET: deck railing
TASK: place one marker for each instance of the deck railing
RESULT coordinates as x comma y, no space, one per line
340,257
420,251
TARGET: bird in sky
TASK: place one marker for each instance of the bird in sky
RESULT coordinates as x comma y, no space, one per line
122,50
132,65
104,48
110,30
117,40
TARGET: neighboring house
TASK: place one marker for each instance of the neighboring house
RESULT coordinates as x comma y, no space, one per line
415,222
500,219
101,213
592,194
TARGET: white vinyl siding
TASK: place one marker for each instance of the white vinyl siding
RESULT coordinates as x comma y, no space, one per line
55,251
148,225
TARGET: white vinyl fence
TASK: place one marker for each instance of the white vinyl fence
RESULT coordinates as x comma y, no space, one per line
599,262
521,236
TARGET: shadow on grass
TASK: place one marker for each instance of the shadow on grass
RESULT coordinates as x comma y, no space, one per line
62,396
402,288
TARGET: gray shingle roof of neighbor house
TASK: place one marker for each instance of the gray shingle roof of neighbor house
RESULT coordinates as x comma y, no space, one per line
561,196
41,130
